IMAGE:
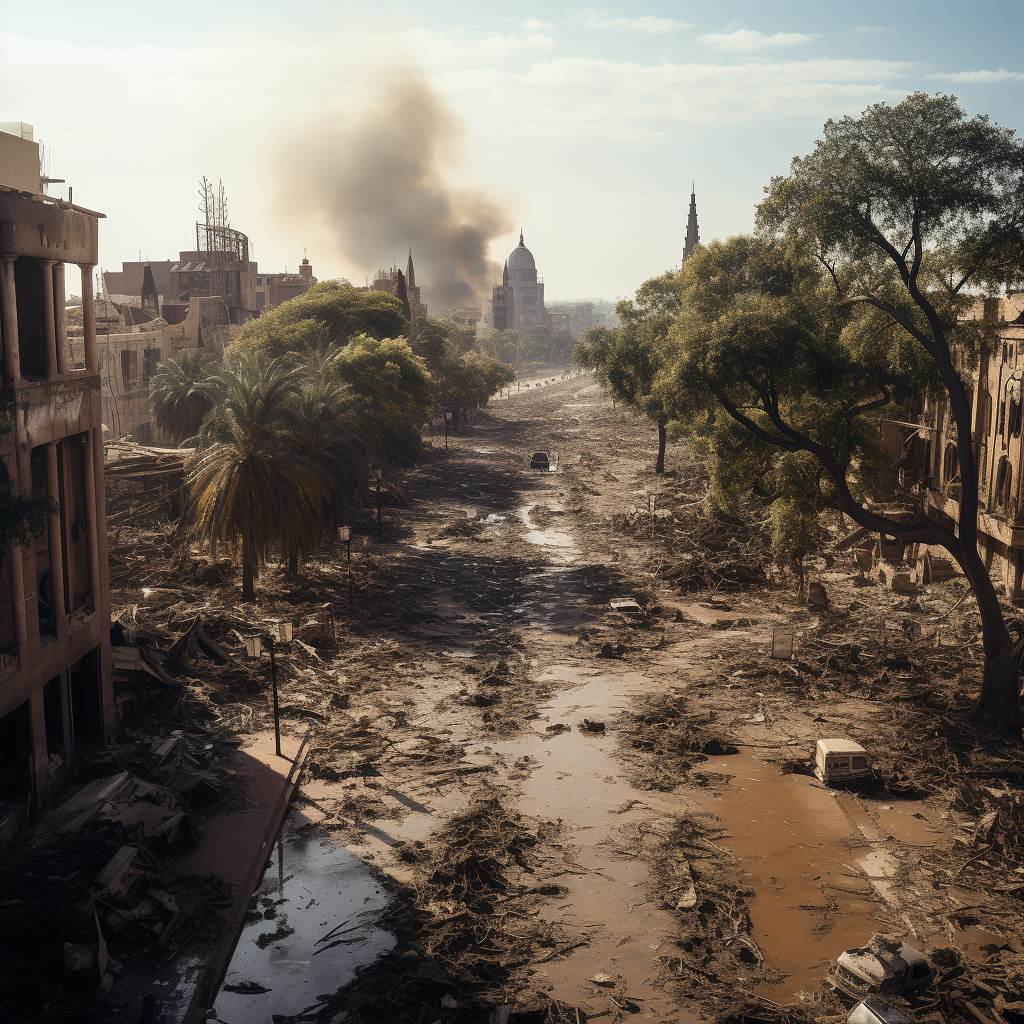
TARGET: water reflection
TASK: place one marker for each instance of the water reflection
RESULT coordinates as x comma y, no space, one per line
311,925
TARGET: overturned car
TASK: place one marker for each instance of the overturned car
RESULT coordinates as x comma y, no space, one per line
884,967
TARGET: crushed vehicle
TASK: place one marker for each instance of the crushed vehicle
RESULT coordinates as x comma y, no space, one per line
839,760
877,1011
540,460
884,967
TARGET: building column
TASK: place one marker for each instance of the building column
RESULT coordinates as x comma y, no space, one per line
92,519
18,602
88,320
9,305
56,543
49,323
61,318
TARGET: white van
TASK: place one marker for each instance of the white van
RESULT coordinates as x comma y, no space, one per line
841,761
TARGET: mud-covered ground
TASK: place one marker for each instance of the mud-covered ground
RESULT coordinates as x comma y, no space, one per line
584,814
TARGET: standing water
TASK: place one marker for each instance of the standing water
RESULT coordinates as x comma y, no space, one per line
312,923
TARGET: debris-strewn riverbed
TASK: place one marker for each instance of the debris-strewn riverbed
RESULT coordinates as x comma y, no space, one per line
578,813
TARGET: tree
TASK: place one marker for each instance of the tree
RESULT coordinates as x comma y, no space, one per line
901,210
389,389
629,360
181,393
252,484
462,376
334,310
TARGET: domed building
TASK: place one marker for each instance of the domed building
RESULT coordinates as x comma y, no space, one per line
518,302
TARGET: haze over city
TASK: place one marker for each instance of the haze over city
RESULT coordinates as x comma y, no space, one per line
584,126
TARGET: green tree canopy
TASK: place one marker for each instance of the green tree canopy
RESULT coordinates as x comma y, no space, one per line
389,389
630,360
331,311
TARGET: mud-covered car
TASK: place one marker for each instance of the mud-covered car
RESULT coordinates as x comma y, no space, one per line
877,1011
540,460
884,967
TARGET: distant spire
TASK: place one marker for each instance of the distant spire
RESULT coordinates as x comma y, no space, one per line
504,276
403,296
692,234
410,273
521,242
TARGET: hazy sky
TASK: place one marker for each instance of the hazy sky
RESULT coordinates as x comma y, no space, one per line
584,125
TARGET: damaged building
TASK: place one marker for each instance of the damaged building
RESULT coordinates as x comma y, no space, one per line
55,676
925,453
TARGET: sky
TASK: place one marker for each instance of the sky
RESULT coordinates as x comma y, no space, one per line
583,126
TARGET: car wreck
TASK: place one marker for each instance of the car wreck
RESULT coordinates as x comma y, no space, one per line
885,966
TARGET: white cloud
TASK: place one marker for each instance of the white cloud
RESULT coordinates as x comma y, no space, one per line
583,97
870,28
605,20
1002,75
746,39
536,25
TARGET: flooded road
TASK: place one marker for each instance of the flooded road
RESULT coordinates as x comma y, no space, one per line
798,850
311,924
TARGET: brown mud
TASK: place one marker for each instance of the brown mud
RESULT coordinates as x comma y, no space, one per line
582,814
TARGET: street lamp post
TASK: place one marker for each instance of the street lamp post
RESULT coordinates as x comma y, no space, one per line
345,534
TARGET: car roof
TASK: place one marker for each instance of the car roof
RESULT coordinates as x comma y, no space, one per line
839,746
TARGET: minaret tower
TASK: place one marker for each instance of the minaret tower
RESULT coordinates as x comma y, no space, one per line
410,273
692,234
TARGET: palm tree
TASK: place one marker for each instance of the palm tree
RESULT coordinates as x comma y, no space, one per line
252,484
181,393
326,433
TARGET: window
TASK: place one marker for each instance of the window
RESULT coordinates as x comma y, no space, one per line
860,763
129,368
1004,479
950,464
150,361
1002,417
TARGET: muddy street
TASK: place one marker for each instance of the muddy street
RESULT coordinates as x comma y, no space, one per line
520,803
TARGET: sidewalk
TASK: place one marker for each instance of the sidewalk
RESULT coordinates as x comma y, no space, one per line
234,848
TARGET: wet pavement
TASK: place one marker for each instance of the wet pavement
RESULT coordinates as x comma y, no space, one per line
312,923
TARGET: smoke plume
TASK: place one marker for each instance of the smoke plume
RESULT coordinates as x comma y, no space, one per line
381,181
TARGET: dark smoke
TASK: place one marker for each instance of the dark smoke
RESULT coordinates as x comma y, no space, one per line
380,182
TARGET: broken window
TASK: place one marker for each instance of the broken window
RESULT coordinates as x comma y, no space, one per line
15,754
150,361
86,700
129,368
1004,479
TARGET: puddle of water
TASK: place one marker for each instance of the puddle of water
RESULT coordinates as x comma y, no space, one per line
544,538
798,847
903,820
574,777
319,888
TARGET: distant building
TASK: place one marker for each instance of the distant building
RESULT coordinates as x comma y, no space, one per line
273,289
55,675
403,287
516,304
692,233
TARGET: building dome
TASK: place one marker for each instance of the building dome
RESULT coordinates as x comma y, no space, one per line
521,258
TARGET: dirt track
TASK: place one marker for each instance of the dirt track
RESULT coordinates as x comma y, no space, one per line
556,792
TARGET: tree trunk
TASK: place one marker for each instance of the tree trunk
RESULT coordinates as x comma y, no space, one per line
998,703
797,565
293,562
659,466
248,593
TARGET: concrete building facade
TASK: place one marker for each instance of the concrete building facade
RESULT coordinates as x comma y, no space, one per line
925,453
55,674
